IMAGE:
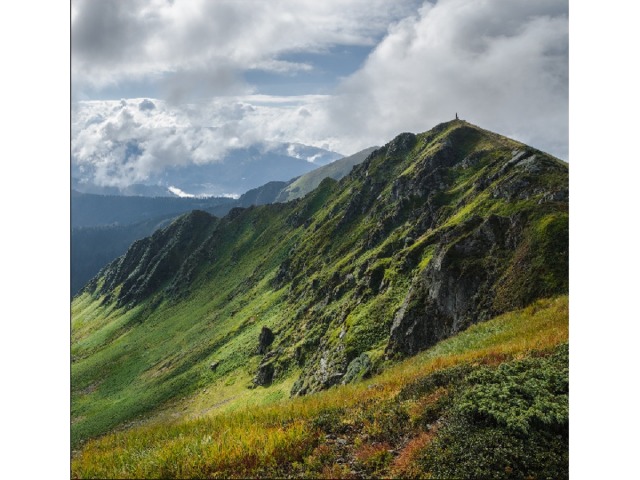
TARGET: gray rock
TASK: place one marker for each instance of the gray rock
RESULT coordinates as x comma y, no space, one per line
401,144
264,376
359,368
265,340
325,369
456,289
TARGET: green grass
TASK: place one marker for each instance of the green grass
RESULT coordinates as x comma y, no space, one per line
122,372
289,437
327,273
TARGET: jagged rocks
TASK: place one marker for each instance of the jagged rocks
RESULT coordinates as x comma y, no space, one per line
374,278
265,340
264,376
457,288
401,144
325,370
284,273
157,261
266,370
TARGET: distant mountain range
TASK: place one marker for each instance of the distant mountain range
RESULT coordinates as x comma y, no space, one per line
240,170
103,226
299,187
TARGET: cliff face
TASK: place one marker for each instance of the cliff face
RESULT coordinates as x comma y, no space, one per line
483,266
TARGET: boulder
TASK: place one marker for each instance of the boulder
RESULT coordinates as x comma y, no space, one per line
265,374
359,368
265,340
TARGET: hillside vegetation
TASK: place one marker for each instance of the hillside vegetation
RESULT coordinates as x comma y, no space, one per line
491,402
105,226
430,235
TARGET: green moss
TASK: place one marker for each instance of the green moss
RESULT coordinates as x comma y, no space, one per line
540,264
427,256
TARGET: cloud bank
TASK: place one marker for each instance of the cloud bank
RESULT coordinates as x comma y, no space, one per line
205,45
119,143
501,64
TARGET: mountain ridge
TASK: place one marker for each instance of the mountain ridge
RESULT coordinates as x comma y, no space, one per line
358,273
299,187
100,233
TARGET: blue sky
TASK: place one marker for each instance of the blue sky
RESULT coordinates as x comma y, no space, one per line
326,70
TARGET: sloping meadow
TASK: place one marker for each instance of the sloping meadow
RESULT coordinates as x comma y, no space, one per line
491,402
430,235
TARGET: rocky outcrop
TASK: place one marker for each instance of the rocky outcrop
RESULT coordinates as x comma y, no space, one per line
469,279
326,368
359,368
265,340
456,288
266,370
402,144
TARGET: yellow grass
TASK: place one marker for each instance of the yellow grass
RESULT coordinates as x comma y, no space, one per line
254,440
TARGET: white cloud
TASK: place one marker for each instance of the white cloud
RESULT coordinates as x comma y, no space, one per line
179,193
501,64
205,43
118,143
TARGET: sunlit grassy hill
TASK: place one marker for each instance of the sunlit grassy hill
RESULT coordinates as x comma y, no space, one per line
430,235
491,402
308,182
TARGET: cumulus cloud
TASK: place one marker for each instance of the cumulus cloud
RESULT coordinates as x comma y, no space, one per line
206,44
501,64
146,104
118,143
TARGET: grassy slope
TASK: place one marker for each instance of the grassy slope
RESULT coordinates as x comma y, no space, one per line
309,181
148,364
129,364
384,426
